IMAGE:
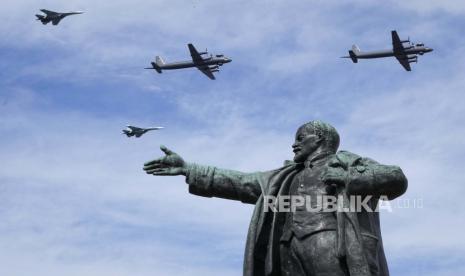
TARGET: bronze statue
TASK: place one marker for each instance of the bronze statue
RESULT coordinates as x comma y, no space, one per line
303,242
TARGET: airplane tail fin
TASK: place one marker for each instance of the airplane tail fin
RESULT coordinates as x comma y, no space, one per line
353,53
159,62
42,19
353,56
355,49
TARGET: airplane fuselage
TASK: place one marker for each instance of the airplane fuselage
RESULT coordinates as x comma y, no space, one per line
405,54
189,63
206,64
391,53
49,17
137,131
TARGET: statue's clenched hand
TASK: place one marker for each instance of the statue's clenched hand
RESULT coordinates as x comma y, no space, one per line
170,164
335,175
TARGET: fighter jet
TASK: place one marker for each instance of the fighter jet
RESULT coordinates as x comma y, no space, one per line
54,17
405,54
137,131
207,65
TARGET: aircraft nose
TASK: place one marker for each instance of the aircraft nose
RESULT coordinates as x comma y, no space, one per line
227,60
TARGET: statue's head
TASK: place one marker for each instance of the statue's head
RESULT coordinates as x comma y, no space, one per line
314,137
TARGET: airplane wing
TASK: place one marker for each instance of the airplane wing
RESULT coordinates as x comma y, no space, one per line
196,57
396,42
198,60
399,51
206,71
47,12
404,62
56,21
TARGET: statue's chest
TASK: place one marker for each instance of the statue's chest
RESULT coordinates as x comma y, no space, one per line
308,182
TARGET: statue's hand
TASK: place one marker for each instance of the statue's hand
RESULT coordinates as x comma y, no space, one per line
170,164
334,176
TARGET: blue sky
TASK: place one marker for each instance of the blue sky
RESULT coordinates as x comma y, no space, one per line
73,197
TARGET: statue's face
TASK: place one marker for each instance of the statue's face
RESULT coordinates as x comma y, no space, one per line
306,143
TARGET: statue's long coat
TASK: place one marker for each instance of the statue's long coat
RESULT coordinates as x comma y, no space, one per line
364,255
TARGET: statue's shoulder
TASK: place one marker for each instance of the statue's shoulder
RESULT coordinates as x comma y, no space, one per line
352,159
342,155
347,156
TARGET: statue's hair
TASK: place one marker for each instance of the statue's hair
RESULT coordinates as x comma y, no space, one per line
325,131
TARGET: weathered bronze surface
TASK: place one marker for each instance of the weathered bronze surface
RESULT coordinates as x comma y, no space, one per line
302,242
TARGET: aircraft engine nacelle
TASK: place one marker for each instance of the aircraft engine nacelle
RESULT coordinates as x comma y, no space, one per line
203,53
420,44
215,70
214,67
219,55
421,53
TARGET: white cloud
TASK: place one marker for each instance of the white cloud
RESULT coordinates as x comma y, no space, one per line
74,199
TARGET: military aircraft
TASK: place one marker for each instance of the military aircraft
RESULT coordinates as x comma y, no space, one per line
137,131
405,54
54,17
207,65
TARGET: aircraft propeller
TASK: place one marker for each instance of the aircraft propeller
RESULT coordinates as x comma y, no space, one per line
204,53
403,41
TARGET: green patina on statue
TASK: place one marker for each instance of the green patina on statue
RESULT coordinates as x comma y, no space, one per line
302,242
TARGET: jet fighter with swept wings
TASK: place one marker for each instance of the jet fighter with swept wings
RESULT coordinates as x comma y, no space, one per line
405,54
54,17
137,131
207,65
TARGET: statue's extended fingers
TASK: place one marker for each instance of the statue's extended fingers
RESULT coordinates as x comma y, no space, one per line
156,170
156,161
165,172
154,166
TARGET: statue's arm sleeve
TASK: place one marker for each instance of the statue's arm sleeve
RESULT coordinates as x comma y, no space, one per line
368,177
210,181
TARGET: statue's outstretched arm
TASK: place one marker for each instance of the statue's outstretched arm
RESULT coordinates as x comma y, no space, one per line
365,176
209,181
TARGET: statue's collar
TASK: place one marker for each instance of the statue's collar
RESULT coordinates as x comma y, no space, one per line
316,160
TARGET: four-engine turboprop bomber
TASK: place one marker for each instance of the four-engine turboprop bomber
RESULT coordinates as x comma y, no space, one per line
54,17
137,131
207,65
405,54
